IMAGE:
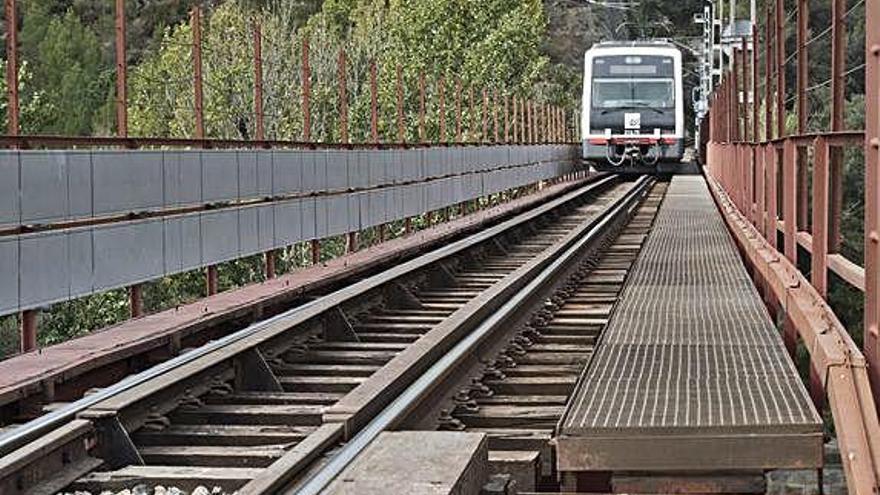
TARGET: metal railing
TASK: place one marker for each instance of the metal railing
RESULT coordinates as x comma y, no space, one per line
422,111
781,191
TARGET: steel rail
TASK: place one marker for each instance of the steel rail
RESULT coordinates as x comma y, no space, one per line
25,433
423,385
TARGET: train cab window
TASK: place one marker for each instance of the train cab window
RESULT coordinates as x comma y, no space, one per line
632,93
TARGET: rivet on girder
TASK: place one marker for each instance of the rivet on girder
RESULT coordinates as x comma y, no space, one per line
875,143
875,50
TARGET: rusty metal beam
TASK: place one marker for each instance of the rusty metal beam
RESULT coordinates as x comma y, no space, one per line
838,92
12,106
342,80
495,114
374,103
421,106
401,128
484,133
780,68
260,133
769,52
458,110
506,118
819,256
754,96
212,282
872,191
121,72
306,76
28,328
198,92
441,107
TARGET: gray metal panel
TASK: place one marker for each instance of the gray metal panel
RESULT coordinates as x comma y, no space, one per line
378,168
473,186
182,172
353,204
412,165
41,282
80,259
287,172
336,168
10,206
287,222
219,176
433,164
457,189
266,222
172,231
127,181
309,219
248,175
219,236
373,208
321,214
127,253
394,168
8,274
43,187
359,169
392,204
79,184
191,242
248,231
265,169
413,199
314,171
337,215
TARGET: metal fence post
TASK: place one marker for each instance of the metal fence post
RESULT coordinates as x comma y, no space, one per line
12,109
819,256
769,53
872,191
314,244
458,110
342,80
495,113
484,133
838,89
374,103
441,90
780,68
506,118
421,107
260,131
306,91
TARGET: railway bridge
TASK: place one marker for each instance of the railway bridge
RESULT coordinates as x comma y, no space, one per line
462,308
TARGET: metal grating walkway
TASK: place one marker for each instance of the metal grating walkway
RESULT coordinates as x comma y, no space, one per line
691,373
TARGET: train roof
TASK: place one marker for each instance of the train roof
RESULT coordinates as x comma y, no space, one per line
656,43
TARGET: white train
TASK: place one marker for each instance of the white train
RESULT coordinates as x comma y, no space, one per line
633,106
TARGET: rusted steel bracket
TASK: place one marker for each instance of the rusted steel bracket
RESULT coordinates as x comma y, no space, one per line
253,374
834,356
115,446
338,328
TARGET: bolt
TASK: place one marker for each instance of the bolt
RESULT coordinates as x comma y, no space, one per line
875,143
875,50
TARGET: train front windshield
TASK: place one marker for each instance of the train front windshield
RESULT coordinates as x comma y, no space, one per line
621,82
632,93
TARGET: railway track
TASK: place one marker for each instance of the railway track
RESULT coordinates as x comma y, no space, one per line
260,409
513,379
